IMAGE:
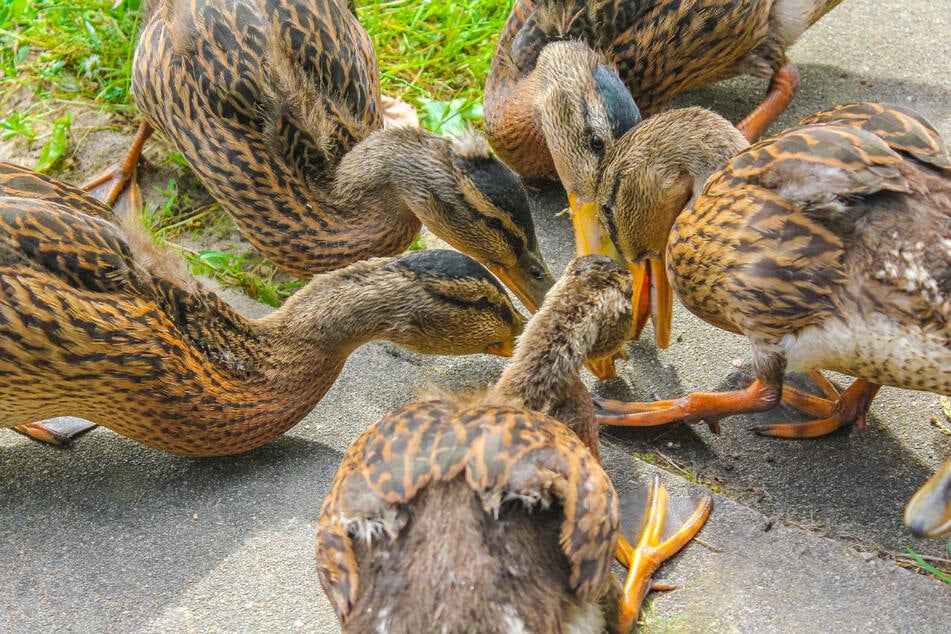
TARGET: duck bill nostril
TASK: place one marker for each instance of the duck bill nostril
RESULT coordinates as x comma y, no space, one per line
529,289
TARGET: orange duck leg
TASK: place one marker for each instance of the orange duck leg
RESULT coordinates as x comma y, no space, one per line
831,413
110,185
782,88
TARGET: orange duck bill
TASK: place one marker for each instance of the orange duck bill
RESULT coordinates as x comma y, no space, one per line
529,279
652,294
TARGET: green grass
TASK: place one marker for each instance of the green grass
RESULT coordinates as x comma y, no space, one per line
430,49
75,49
81,50
934,571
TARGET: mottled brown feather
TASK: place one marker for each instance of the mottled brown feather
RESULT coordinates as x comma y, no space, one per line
502,449
659,48
89,330
266,99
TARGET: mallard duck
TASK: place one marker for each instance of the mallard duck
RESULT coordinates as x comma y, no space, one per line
276,108
487,512
95,322
569,77
928,513
828,246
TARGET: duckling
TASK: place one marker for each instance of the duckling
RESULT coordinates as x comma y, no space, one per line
928,513
276,107
97,323
491,512
569,77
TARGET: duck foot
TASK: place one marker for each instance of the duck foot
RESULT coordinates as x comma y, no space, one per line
708,406
831,413
661,527
782,88
120,179
603,368
59,431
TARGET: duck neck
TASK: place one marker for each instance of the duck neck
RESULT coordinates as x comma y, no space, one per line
250,381
333,315
692,142
513,118
404,168
545,375
294,215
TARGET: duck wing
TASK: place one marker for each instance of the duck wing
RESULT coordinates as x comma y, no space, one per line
504,454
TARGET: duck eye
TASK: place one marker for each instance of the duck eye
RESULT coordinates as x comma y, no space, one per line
597,144
535,272
494,223
607,209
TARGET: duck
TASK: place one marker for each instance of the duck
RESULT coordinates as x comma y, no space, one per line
97,322
828,246
570,77
276,107
490,511
928,513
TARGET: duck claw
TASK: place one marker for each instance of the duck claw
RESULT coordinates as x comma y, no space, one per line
851,406
110,185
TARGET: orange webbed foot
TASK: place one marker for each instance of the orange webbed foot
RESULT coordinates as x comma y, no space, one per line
831,413
120,180
659,527
708,406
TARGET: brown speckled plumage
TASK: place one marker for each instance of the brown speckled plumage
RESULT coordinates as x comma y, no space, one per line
432,498
828,246
658,48
840,222
94,324
276,106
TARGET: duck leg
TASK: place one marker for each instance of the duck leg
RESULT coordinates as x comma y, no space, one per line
121,177
661,530
782,88
831,414
57,431
709,406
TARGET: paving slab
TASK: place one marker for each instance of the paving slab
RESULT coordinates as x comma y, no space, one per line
112,536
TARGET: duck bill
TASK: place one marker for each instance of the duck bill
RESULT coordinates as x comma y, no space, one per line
503,349
661,302
928,513
588,236
654,299
589,239
640,297
530,290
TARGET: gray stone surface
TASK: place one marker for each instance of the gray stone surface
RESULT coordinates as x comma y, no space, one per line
112,536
